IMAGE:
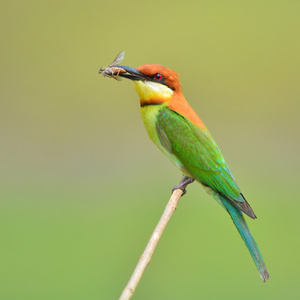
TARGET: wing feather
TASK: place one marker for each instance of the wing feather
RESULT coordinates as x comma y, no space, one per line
200,155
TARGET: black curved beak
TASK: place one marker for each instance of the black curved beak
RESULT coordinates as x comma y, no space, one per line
132,74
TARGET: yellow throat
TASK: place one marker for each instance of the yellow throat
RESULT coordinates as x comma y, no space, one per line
152,92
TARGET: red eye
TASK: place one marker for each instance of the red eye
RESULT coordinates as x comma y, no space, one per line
158,76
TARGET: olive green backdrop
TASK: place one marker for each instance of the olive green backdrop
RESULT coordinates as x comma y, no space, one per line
82,187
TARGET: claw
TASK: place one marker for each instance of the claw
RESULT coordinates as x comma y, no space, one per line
184,182
177,187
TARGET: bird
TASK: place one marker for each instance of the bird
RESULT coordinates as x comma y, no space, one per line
180,134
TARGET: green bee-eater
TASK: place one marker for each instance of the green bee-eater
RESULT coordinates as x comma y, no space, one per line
179,133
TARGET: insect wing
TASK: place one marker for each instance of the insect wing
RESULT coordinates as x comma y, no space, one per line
118,59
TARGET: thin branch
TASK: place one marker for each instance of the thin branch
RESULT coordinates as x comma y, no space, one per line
146,256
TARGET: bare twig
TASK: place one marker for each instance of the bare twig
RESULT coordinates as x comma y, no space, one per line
146,256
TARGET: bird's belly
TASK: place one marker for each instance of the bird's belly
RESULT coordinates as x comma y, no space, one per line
149,115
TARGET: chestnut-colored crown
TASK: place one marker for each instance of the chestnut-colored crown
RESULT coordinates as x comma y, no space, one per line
171,78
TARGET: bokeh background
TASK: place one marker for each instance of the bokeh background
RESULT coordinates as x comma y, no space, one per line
82,187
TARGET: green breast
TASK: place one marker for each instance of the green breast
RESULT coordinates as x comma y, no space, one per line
149,117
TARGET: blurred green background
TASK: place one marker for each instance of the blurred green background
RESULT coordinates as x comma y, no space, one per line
82,187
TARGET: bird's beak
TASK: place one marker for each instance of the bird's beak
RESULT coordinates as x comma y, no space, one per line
131,73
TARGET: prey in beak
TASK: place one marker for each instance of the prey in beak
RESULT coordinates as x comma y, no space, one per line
115,71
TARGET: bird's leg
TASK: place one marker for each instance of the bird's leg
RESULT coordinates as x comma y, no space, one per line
184,182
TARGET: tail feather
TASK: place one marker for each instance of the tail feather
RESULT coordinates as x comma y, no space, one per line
240,223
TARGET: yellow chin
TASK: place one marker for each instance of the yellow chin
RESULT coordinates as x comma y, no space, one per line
148,91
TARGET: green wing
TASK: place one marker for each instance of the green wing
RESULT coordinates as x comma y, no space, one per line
200,155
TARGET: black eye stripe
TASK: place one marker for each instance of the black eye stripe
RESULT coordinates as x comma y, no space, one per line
162,80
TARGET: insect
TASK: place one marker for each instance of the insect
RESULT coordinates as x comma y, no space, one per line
112,70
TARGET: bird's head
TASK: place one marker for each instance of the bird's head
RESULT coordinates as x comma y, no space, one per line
154,83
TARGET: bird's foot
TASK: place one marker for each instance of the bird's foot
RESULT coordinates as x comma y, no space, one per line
184,182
